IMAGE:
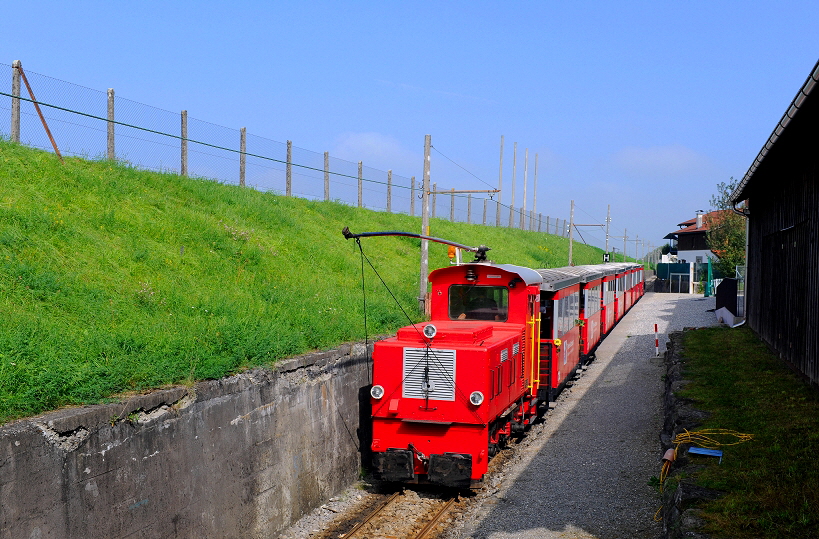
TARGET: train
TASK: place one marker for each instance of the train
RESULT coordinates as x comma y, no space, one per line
501,343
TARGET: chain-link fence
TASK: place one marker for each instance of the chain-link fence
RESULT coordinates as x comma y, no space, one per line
96,125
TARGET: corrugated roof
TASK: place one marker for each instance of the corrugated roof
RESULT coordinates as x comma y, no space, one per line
586,273
554,279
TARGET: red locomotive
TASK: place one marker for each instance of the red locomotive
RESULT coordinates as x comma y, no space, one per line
501,343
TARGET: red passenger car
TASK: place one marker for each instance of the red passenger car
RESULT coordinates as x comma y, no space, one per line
608,316
591,308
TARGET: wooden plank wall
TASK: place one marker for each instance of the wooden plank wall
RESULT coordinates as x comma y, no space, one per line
783,247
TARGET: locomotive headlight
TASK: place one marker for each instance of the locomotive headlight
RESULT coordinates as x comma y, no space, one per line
430,331
476,398
376,392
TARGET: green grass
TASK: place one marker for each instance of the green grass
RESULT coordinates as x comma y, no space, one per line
114,279
772,482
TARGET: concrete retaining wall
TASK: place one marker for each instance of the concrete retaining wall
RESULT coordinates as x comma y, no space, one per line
244,456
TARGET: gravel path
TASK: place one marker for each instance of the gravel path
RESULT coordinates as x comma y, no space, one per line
584,472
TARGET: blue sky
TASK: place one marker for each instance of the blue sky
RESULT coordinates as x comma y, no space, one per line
645,106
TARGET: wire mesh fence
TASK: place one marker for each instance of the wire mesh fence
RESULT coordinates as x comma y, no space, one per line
94,124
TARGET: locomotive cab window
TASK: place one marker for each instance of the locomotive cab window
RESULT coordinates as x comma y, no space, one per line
471,302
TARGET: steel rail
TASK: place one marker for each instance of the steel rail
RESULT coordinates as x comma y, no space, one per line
371,516
432,523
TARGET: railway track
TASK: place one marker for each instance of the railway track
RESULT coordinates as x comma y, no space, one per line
399,515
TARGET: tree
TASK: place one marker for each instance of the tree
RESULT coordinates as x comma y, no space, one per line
726,230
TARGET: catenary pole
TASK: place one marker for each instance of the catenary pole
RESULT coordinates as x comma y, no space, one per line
512,196
422,287
571,232
500,186
534,197
525,181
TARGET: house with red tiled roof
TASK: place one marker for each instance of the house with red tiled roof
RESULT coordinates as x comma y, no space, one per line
691,238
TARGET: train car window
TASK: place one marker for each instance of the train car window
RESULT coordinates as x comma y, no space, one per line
471,302
562,312
575,308
547,318
591,301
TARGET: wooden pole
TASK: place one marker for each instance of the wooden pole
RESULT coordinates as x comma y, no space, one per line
110,139
16,66
183,150
412,196
243,155
360,184
39,112
389,191
289,170
326,176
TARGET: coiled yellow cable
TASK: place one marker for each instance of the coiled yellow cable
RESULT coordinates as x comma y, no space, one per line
707,438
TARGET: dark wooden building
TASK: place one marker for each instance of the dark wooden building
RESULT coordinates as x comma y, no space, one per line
782,194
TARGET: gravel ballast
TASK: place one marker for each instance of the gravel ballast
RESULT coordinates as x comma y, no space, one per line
584,472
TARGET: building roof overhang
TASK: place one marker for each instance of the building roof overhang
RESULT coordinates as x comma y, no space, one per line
798,103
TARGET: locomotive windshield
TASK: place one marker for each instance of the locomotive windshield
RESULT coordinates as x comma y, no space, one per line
471,302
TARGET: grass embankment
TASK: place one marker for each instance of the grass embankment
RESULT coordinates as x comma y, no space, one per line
114,279
771,483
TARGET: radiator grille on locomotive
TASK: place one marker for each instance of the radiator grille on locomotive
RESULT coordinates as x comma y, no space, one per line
439,384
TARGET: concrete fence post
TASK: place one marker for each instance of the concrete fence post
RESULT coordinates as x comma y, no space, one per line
111,152
326,176
484,210
539,221
434,198
184,146
389,191
469,209
288,176
15,102
360,184
412,196
452,206
242,156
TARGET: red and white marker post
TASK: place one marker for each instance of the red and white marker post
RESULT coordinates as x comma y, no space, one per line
656,341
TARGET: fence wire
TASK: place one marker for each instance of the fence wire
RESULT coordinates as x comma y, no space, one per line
150,138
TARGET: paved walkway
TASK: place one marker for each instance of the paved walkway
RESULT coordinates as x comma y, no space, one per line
584,472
